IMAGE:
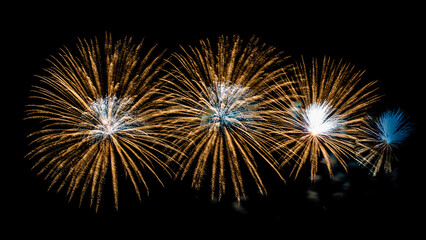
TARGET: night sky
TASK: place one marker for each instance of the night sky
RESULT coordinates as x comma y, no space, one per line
385,41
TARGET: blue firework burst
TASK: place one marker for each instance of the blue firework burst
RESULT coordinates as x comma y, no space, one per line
393,127
380,137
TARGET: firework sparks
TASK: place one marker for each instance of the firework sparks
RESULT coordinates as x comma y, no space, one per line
318,120
214,100
379,138
317,110
97,116
109,116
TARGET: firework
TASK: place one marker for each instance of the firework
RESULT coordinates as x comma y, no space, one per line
96,109
378,138
316,110
214,100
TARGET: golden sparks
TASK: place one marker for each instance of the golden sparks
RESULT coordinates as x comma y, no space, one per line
214,99
96,107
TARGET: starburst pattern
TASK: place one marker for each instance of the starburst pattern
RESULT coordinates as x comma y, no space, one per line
98,119
319,121
219,111
379,137
215,102
317,109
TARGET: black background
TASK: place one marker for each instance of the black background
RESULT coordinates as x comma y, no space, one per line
385,40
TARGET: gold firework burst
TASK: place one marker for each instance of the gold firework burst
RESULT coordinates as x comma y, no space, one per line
96,107
214,100
318,109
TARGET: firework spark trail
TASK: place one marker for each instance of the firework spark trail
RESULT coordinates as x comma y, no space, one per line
317,109
97,114
214,100
318,119
379,137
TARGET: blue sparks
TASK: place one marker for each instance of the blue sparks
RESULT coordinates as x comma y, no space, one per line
393,127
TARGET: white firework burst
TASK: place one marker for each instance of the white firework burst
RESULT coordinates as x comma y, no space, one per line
110,116
227,104
317,109
318,119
